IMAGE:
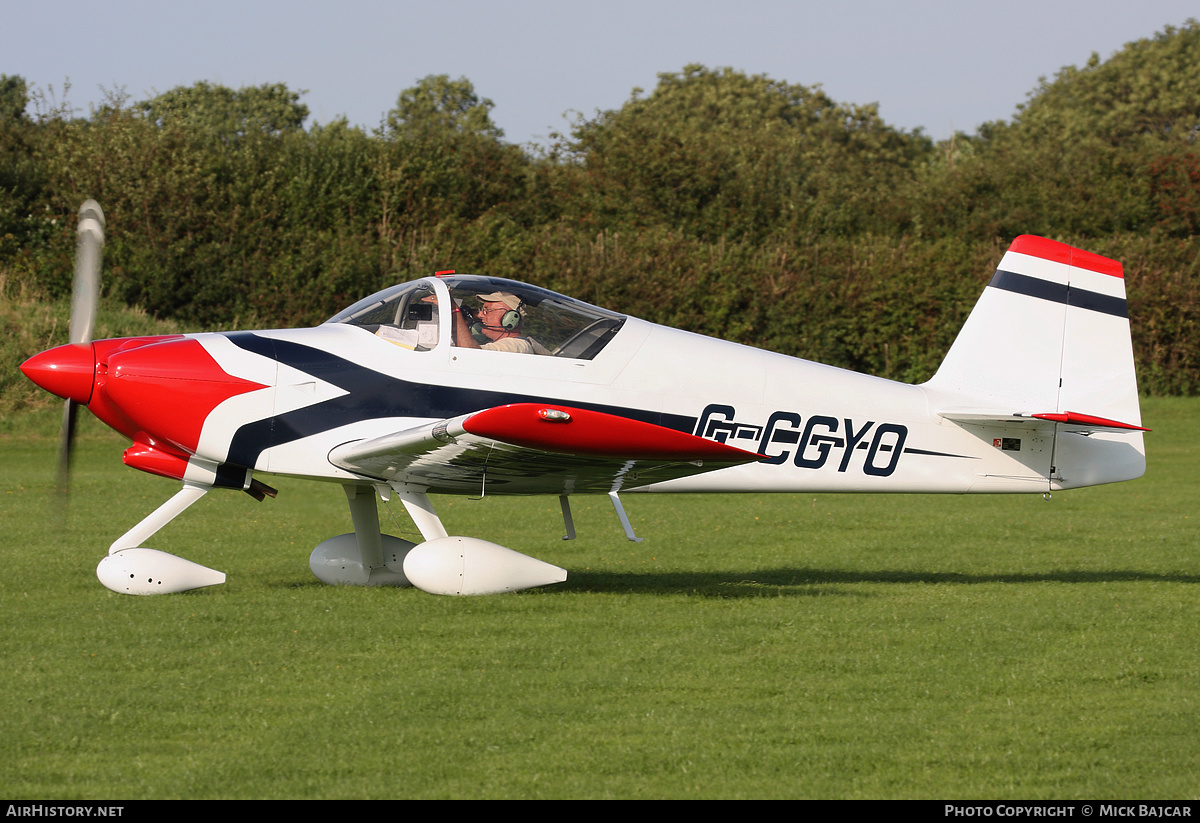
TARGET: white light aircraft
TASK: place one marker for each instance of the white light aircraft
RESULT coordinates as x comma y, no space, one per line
459,384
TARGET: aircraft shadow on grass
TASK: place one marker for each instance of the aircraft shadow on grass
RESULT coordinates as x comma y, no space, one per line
810,582
799,582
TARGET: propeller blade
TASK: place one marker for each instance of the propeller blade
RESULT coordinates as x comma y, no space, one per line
85,295
90,244
66,438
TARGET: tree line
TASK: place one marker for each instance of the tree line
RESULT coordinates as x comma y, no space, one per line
729,204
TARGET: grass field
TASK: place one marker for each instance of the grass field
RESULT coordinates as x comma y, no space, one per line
789,646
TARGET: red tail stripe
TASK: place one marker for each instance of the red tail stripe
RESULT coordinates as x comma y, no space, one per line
1062,253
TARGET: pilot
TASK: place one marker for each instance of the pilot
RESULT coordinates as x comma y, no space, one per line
500,316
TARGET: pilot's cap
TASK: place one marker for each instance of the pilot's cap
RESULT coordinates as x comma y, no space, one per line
510,300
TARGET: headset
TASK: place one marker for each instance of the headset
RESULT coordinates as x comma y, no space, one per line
509,321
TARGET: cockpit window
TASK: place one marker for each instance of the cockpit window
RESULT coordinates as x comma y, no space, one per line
498,314
405,315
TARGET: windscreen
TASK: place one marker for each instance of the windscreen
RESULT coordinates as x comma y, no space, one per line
550,324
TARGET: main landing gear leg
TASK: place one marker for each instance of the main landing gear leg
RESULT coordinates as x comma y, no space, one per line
365,557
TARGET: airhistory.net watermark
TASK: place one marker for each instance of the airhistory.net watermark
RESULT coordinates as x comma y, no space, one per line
53,810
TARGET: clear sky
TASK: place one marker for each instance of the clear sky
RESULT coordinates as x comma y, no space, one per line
934,64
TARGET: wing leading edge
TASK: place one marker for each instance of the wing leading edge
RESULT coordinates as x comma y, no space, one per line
533,448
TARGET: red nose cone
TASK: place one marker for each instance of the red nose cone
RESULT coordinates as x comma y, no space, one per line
68,371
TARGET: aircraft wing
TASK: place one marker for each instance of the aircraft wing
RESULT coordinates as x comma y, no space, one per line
533,448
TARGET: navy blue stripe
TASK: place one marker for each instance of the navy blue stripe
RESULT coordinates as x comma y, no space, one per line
1060,293
939,454
371,394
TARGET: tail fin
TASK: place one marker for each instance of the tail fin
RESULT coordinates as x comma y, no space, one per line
1049,343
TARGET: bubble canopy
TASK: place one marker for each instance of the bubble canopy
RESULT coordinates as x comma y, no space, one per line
554,324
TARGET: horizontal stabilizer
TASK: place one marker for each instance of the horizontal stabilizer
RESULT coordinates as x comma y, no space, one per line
1073,420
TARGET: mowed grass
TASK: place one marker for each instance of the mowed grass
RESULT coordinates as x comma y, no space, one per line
848,646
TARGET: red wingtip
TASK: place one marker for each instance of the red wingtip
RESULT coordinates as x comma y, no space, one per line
580,431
